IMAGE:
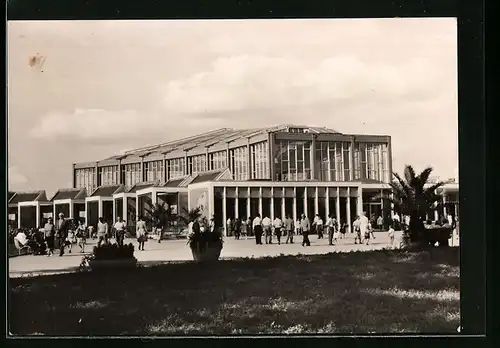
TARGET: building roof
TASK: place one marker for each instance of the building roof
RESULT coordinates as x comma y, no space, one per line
219,136
141,185
174,182
105,191
207,176
70,193
30,196
121,189
10,194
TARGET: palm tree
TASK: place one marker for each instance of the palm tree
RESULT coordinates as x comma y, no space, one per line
412,198
190,215
160,215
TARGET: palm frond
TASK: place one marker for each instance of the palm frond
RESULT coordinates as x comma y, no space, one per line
409,174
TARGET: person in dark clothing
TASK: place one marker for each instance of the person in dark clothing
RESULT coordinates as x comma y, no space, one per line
237,228
62,228
257,229
306,228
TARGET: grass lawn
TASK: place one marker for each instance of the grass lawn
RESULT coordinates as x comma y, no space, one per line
357,292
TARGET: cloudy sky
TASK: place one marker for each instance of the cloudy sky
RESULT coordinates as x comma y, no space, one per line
99,88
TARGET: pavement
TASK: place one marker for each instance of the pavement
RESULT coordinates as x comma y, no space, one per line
177,250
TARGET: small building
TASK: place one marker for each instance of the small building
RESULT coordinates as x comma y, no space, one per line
28,209
70,202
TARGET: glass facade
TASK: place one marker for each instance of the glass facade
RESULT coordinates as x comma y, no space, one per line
218,160
154,171
292,160
197,164
371,161
86,178
239,163
132,174
176,168
108,175
332,161
259,156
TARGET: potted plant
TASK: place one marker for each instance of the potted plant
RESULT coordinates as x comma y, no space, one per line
205,245
110,256
160,215
412,198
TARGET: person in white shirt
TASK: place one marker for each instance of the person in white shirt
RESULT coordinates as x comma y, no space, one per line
391,234
102,231
212,224
298,228
266,225
119,229
357,230
22,238
330,229
319,226
278,225
257,229
229,226
396,220
364,227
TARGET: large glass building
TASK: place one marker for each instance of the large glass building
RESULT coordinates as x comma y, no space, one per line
284,170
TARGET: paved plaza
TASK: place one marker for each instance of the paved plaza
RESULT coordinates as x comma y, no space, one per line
177,250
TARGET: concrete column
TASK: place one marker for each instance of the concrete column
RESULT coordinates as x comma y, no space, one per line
138,211
349,208
283,207
165,169
154,198
248,203
224,212
236,204
186,165
436,214
444,206
382,203
329,176
249,159
114,210
86,213
100,207
207,160
19,216
260,201
327,202
142,169
351,160
316,201
359,206
313,157
120,181
272,204
125,209
229,162
71,212
294,213
37,223
271,150
337,205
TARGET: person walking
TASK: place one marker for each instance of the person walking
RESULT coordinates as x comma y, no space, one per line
119,231
81,236
288,224
229,226
380,223
257,229
330,228
278,225
237,228
357,230
49,231
141,232
391,234
62,228
319,226
298,228
244,228
364,227
305,226
249,227
102,232
211,224
266,225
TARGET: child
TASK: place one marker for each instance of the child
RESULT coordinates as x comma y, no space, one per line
391,234
367,234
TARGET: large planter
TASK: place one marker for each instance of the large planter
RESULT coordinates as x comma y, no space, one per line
210,253
98,265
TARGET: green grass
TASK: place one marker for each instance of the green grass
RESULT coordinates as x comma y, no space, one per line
357,292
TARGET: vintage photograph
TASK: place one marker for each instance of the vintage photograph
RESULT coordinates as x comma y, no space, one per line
233,177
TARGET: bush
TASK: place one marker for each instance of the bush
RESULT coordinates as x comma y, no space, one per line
112,252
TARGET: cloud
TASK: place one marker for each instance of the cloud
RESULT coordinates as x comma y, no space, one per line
240,82
16,178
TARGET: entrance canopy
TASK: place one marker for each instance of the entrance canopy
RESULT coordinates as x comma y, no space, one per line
23,201
69,197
